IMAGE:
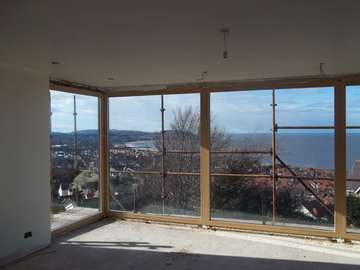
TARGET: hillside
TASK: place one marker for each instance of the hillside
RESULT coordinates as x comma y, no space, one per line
91,136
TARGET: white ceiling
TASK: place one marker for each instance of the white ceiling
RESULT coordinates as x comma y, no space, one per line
163,42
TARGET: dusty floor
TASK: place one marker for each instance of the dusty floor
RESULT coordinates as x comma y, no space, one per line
133,245
68,217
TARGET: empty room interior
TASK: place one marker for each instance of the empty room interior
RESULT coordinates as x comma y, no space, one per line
180,134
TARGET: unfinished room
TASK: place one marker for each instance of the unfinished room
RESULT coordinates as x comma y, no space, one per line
180,134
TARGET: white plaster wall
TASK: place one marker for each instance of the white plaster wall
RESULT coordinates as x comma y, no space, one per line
24,161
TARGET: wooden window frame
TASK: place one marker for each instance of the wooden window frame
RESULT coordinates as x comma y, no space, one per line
103,142
339,84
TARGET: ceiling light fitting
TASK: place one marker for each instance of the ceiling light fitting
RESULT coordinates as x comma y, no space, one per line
225,32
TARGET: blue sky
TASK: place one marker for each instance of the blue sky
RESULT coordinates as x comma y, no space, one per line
353,106
236,112
62,119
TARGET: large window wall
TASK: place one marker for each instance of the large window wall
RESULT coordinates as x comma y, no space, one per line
75,166
267,156
240,133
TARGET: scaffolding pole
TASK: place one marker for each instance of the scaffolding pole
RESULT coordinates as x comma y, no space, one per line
305,186
75,150
163,153
75,136
273,158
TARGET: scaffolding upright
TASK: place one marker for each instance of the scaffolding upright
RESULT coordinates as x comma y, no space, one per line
76,165
163,153
75,136
273,158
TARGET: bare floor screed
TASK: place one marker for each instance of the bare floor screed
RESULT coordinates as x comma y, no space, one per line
135,245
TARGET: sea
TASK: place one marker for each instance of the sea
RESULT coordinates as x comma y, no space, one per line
316,150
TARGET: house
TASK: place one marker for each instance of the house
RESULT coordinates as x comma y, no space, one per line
353,184
64,191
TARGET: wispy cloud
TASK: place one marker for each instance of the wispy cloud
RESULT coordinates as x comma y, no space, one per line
236,112
62,108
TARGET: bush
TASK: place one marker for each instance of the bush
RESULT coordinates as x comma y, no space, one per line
353,210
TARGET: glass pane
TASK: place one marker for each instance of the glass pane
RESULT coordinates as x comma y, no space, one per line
136,193
241,125
182,195
137,154
182,122
245,199
182,141
74,157
134,154
305,157
182,162
182,147
307,154
134,125
305,107
305,202
353,158
142,194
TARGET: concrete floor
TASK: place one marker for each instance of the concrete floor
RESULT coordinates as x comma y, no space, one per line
133,245
75,214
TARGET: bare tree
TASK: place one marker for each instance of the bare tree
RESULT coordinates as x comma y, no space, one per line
183,192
